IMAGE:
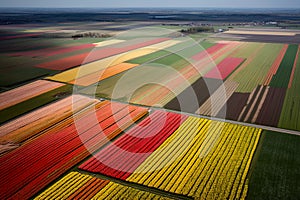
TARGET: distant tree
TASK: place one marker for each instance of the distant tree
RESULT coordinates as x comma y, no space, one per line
91,35
198,29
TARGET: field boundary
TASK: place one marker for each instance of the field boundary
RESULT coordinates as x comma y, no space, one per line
264,127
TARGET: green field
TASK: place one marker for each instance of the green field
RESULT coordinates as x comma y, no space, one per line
275,170
282,77
254,73
18,74
290,118
192,49
248,49
18,69
127,82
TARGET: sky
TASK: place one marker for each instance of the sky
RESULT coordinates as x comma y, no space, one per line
152,3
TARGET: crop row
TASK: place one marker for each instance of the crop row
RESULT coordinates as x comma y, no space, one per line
169,81
108,42
202,159
188,72
262,106
208,59
33,103
290,116
80,186
253,72
102,74
275,65
27,126
54,51
234,106
209,51
224,68
156,94
124,155
23,93
230,48
166,93
276,170
90,67
254,104
35,164
248,51
146,58
282,77
217,100
97,54
272,107
190,99
162,94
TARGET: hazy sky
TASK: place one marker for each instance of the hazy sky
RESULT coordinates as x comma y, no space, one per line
153,3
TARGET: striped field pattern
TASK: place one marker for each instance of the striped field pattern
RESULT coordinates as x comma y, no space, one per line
35,164
27,126
124,155
25,92
102,74
202,159
80,186
224,68
103,58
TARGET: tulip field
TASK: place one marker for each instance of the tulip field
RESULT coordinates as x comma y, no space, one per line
205,165
81,186
163,78
95,55
138,140
186,162
148,116
225,68
61,147
26,92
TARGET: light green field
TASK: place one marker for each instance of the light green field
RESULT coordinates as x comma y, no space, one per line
254,73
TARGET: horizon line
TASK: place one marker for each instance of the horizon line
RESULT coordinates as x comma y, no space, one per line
163,7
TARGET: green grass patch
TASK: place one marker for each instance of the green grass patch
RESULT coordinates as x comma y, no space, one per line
35,102
275,170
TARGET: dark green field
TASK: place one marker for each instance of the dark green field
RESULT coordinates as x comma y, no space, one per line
275,170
